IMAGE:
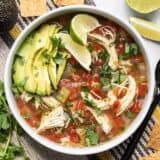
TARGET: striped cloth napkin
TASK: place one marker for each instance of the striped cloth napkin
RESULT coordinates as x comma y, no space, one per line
117,152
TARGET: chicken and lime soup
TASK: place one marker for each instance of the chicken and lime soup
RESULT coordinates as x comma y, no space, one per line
79,80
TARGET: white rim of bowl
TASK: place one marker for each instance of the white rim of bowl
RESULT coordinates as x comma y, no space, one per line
54,146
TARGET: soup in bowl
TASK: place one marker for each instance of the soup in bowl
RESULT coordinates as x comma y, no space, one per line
79,80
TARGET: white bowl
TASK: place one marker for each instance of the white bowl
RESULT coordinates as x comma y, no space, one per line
86,150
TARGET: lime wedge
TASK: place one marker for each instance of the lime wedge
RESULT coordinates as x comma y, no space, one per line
147,29
80,25
79,52
144,6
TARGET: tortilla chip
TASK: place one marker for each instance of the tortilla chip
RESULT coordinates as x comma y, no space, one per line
154,156
154,141
68,2
31,8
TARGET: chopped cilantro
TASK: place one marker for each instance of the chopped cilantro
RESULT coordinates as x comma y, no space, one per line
91,137
130,115
89,102
59,58
85,89
26,116
69,104
106,71
104,55
8,125
55,42
131,49
90,48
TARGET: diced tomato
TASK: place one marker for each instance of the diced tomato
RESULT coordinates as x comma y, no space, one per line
33,121
116,91
109,26
74,137
97,47
120,48
122,93
136,107
65,83
96,77
34,115
119,121
76,77
98,92
116,106
87,77
119,92
73,61
80,105
137,59
71,131
99,62
142,90
74,94
55,137
88,115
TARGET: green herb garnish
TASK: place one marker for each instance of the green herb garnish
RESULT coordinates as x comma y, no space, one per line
90,48
131,49
69,104
26,116
91,137
130,115
8,125
85,89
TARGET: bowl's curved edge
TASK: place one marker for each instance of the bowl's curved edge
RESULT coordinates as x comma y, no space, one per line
51,145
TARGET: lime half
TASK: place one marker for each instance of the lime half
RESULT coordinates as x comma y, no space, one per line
144,6
79,52
80,25
147,29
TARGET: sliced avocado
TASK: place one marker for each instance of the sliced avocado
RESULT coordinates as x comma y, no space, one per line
40,67
46,31
61,61
48,82
19,75
51,102
52,68
31,83
38,81
61,69
63,94
33,72
56,67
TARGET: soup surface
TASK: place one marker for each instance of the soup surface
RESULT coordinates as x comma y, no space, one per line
79,80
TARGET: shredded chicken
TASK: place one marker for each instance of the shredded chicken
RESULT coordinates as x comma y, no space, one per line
99,103
103,120
110,47
26,97
125,65
128,98
65,141
125,102
51,102
54,119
